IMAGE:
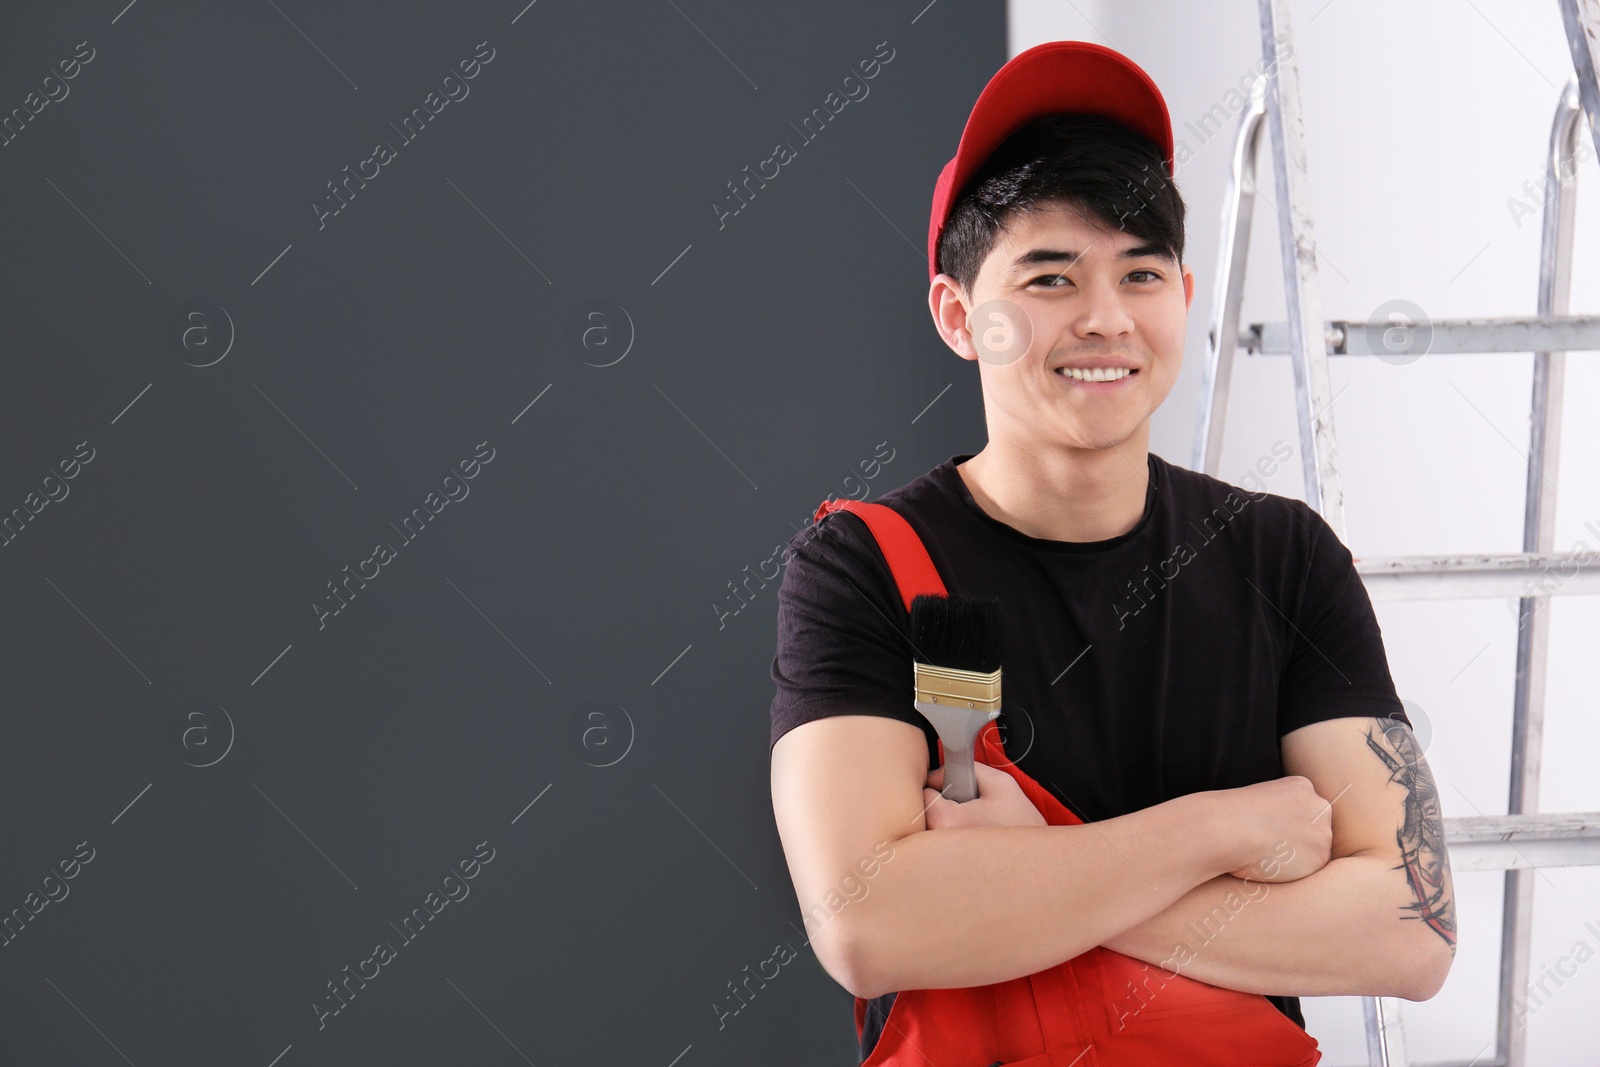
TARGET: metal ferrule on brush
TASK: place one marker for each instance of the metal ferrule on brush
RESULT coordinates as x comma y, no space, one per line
947,686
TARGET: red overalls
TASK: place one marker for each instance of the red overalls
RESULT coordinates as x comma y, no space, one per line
1098,1009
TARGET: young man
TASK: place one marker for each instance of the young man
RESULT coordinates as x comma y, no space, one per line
1193,668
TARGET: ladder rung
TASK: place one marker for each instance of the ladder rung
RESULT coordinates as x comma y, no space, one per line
1551,333
1504,842
1514,574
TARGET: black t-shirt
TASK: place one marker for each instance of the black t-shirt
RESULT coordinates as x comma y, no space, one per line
1165,661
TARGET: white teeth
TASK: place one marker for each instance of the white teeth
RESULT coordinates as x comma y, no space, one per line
1095,374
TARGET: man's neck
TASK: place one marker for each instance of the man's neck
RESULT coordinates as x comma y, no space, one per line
1062,495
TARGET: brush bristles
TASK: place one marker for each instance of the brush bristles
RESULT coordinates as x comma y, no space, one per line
962,633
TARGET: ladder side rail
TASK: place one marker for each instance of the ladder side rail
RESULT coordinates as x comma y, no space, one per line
1313,394
1238,208
1581,19
1533,616
1386,1037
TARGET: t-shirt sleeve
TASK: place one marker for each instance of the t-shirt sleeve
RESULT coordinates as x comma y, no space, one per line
842,643
1337,665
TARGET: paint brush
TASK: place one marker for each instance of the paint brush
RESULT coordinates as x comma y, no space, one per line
956,671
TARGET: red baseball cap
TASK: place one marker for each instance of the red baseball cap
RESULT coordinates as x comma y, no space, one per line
1073,76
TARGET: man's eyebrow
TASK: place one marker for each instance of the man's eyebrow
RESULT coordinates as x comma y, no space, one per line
1040,256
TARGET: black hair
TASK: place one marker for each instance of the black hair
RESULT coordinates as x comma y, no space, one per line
1099,167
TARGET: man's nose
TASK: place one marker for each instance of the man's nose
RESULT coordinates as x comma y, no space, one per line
1102,312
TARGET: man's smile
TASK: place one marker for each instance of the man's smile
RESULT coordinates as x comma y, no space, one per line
1096,379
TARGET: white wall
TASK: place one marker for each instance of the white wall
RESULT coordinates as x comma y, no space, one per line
1423,119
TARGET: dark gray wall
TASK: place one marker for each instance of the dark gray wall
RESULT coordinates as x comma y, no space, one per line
250,396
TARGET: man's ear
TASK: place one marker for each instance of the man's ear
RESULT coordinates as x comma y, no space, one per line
1188,286
951,309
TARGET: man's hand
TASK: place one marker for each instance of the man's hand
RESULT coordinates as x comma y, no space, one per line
1286,828
1000,802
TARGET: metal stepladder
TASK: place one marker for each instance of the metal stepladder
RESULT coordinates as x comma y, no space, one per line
1522,841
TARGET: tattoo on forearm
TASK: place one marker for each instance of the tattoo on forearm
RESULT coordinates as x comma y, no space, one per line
1421,836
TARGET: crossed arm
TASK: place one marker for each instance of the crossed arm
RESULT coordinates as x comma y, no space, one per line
1377,920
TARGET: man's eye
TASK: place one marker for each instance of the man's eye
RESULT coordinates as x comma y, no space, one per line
1153,275
1050,279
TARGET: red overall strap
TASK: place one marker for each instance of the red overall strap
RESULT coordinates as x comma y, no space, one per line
914,573
1095,1010
909,562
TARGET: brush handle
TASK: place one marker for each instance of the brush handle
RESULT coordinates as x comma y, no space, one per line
958,729
960,776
